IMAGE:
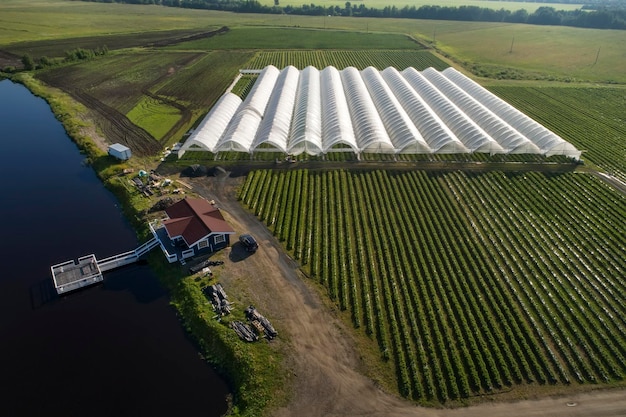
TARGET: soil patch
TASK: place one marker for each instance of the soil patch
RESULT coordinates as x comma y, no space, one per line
8,59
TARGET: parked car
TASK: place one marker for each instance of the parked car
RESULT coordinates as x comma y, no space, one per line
249,242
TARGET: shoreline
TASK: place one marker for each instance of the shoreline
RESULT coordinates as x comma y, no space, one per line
212,340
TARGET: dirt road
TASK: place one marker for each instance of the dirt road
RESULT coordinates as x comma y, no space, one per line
325,364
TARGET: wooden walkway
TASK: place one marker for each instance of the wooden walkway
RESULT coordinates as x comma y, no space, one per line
87,270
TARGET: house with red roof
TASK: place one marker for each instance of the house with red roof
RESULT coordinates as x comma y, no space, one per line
192,226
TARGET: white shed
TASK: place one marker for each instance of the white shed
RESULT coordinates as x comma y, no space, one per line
119,151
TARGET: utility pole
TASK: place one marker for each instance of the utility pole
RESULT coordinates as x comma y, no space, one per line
434,32
512,41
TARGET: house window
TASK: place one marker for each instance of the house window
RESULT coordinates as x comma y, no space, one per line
220,239
203,244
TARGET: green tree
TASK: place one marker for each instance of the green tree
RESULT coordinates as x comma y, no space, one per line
28,62
44,61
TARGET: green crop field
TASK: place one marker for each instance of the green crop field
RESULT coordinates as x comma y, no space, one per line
161,92
341,59
154,116
290,38
58,47
592,119
467,284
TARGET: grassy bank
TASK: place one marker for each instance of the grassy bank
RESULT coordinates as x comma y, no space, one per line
254,372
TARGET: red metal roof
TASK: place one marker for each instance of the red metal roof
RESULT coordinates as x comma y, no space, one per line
194,219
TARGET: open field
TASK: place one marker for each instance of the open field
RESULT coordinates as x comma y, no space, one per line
543,51
26,20
293,38
467,284
553,52
58,47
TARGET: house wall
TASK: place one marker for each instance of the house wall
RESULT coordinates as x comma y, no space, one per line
214,243
221,245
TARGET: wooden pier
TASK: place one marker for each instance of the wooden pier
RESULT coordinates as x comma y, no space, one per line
87,270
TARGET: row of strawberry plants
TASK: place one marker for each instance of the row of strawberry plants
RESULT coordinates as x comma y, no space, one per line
570,258
397,261
266,198
384,253
574,260
425,300
437,247
536,267
512,267
250,183
484,295
458,383
518,333
486,335
340,59
299,235
587,238
369,269
554,296
568,322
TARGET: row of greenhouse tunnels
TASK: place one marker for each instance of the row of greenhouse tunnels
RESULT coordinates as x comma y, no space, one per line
389,112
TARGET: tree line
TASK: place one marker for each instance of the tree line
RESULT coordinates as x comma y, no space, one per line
78,54
603,17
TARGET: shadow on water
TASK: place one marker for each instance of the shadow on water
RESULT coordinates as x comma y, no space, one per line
42,293
135,278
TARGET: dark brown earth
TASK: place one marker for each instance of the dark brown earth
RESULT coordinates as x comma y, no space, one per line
322,356
8,59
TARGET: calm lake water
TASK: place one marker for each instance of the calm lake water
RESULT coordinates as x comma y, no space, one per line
116,349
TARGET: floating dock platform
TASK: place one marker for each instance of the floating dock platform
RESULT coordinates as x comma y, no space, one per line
72,275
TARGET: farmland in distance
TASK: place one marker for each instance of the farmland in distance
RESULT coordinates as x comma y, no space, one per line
467,284
151,96
341,59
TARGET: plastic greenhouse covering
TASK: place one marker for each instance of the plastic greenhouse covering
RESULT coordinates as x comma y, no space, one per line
310,111
306,125
337,126
548,142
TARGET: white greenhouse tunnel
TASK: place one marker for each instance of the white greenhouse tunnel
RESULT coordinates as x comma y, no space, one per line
370,111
